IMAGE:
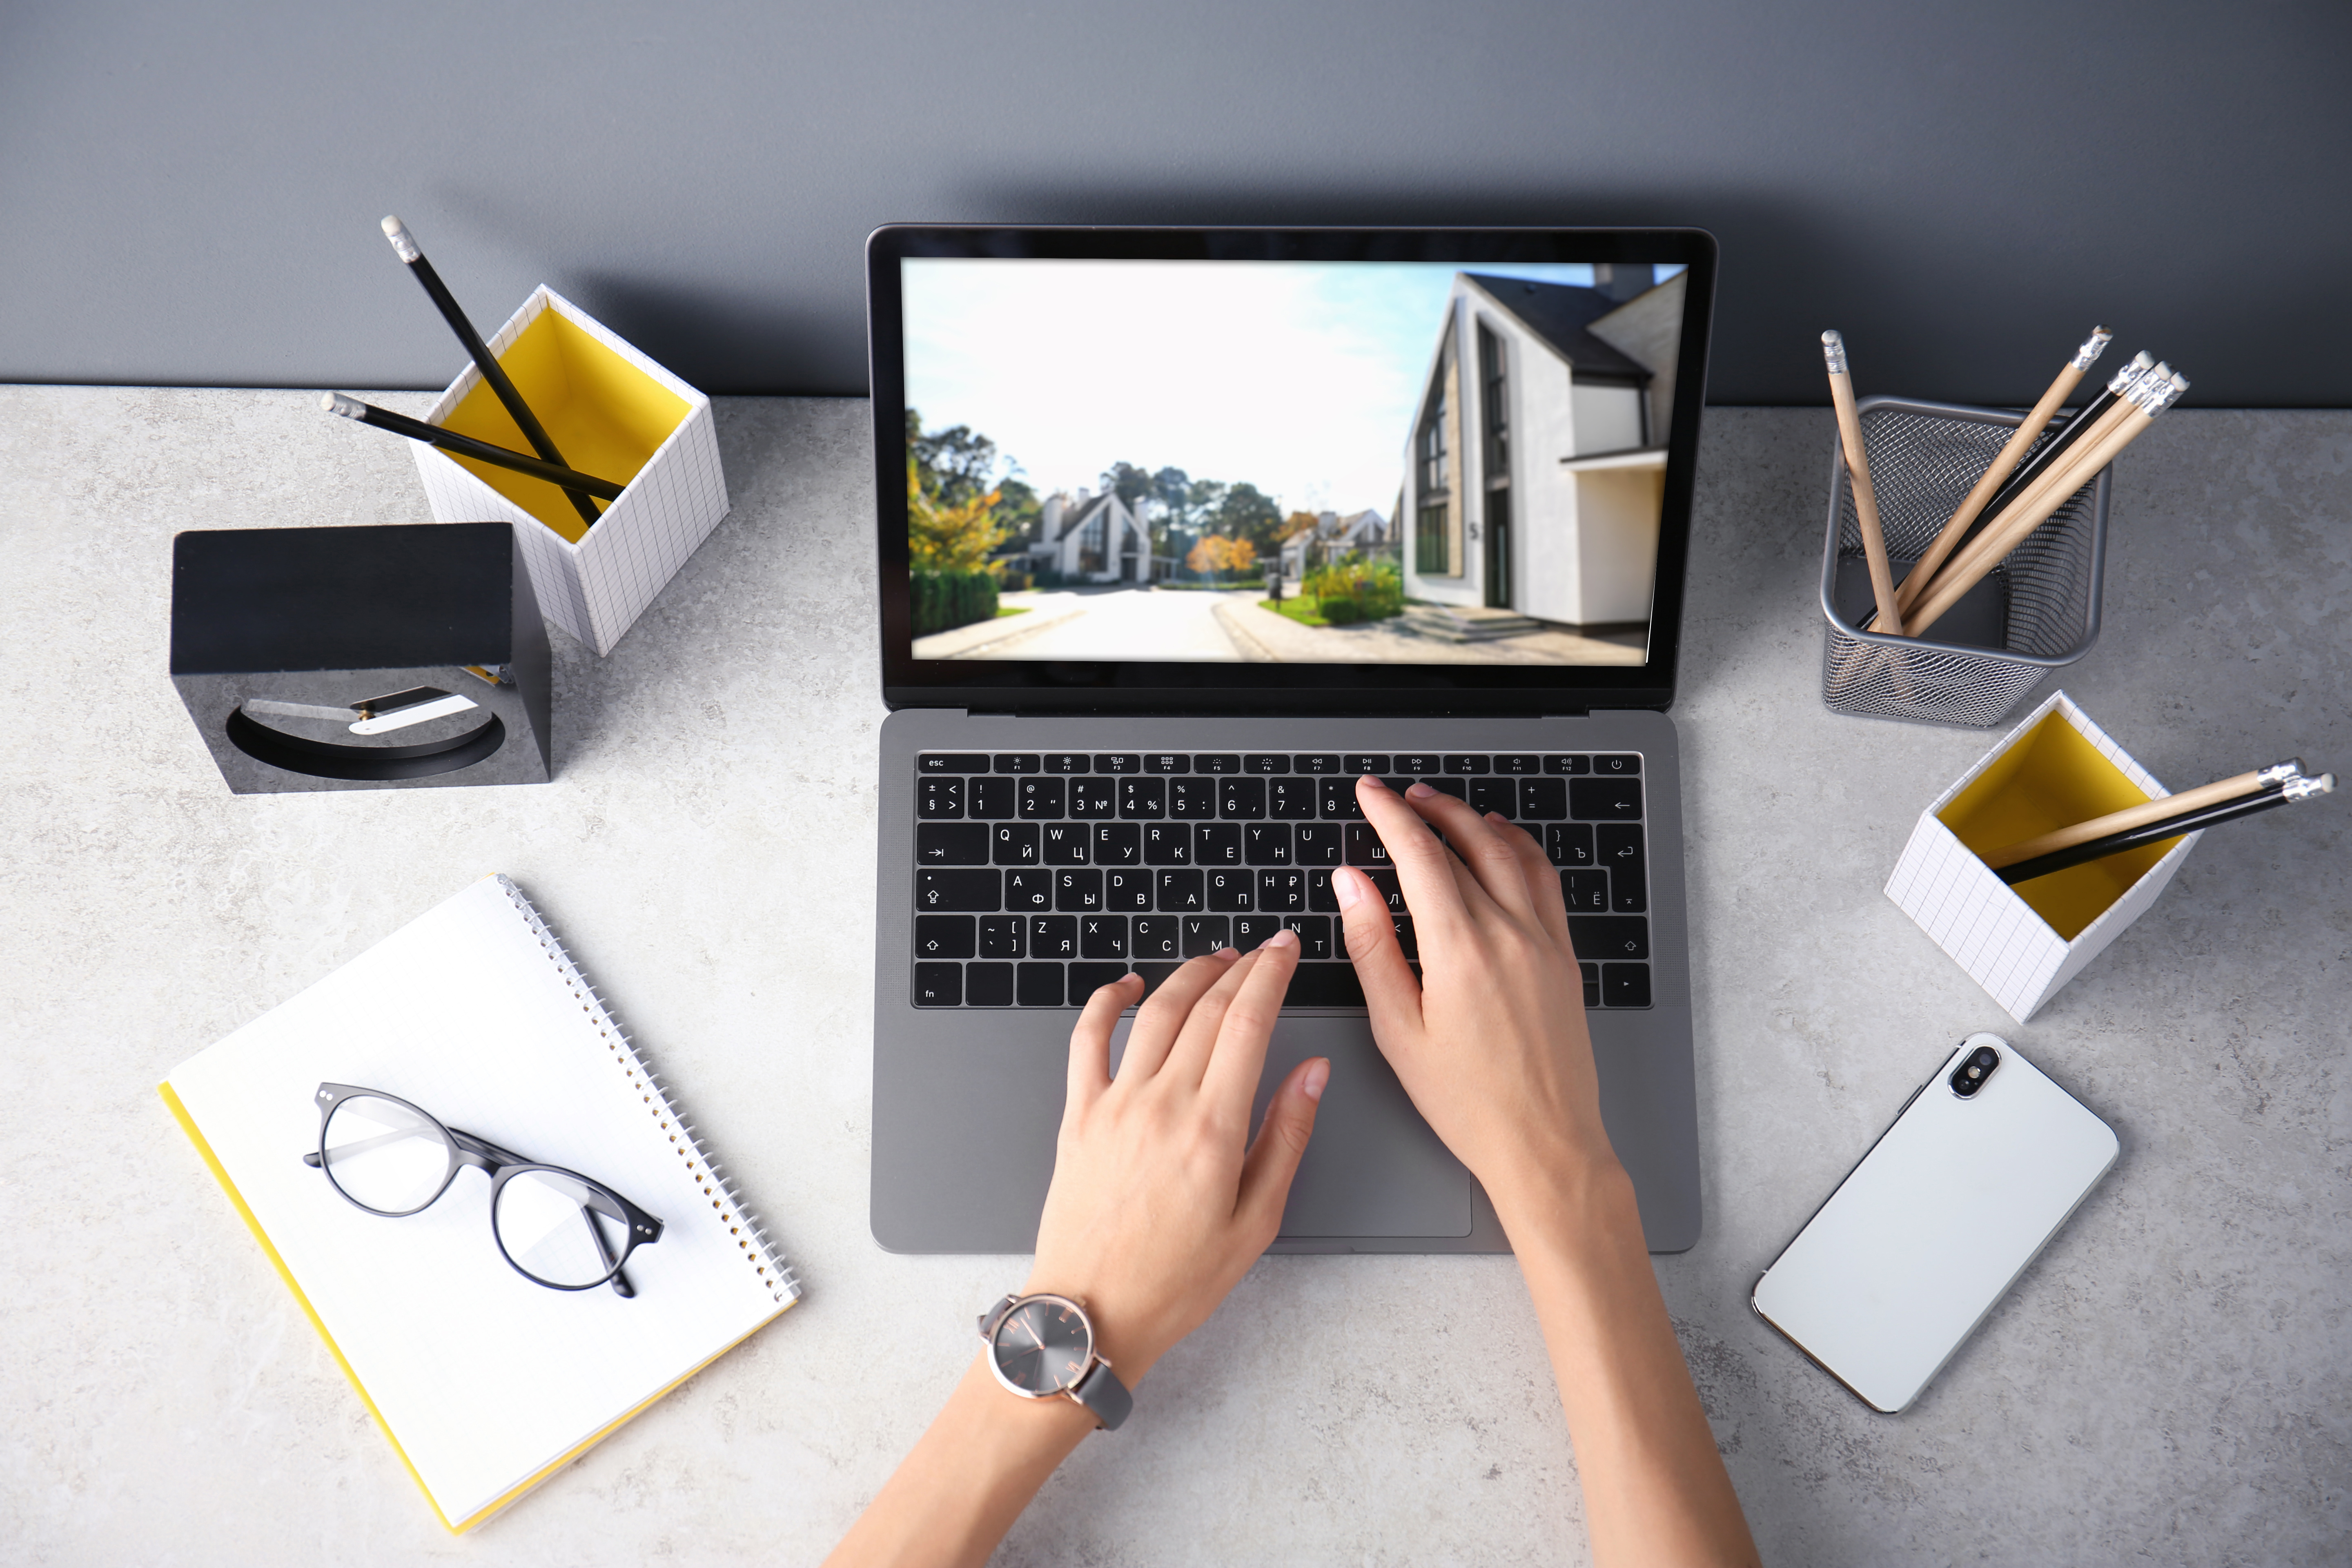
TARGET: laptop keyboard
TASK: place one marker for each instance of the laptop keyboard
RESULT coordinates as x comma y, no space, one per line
1040,876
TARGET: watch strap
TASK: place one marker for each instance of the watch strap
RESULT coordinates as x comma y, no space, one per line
995,1315
1101,1392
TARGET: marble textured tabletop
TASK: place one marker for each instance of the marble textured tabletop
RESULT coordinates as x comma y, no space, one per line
2171,1383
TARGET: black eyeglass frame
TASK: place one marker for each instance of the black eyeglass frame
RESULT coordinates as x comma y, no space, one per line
501,1166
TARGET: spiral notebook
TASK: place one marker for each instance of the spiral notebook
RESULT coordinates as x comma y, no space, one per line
486,1383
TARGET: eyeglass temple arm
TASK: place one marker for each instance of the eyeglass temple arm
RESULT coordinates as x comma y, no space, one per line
621,1286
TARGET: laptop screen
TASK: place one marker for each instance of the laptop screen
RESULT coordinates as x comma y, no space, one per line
1339,458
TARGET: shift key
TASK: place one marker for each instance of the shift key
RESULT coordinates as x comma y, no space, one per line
1599,937
1618,847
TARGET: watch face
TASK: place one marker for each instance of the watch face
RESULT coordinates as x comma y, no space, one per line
1043,1346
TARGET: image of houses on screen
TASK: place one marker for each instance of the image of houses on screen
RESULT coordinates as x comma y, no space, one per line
1347,463
1535,469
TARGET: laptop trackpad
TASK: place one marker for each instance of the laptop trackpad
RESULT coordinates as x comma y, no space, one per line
1373,1167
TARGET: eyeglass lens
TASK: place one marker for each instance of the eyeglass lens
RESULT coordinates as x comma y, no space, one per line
384,1156
550,1226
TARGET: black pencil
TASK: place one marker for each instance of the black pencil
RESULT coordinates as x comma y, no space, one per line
466,447
484,360
2270,799
2072,431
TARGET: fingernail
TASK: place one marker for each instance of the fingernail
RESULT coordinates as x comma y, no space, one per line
1283,939
1351,891
1228,954
1318,1073
1372,780
1419,792
1498,819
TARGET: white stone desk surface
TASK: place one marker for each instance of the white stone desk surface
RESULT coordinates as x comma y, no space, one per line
2171,1382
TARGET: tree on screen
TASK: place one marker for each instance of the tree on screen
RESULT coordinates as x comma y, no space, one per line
944,536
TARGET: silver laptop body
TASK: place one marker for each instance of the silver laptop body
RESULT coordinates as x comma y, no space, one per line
1047,821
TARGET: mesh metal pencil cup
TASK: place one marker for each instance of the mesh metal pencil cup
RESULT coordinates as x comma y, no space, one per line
2035,613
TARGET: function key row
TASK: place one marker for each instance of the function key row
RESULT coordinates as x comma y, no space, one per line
1433,765
1286,798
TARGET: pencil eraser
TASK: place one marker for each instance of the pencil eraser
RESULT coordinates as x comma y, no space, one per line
397,232
1834,350
336,403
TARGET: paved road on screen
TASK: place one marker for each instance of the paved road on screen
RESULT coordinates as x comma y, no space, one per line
1135,623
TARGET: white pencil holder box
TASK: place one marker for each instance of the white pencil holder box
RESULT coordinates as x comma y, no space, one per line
615,414
2022,942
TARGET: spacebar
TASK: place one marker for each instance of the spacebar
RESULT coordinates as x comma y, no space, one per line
1324,985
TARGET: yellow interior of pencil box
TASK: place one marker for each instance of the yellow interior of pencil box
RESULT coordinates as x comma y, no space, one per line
2052,778
605,415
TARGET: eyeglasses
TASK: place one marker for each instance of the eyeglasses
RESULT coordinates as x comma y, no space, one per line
556,1227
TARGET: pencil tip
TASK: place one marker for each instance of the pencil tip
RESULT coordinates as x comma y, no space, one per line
397,232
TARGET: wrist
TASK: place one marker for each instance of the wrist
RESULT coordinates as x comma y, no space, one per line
1560,1198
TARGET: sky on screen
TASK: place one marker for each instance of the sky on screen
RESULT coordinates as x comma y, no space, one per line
1299,377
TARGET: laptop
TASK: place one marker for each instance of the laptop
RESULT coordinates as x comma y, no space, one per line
1181,531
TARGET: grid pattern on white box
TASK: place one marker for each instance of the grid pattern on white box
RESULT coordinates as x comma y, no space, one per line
1979,920
1971,914
668,510
457,495
596,589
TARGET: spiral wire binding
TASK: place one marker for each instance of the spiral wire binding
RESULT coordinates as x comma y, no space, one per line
751,1233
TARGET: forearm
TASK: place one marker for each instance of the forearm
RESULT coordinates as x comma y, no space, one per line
953,1498
1654,1486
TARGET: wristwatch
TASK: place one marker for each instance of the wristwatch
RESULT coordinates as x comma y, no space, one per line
1042,1347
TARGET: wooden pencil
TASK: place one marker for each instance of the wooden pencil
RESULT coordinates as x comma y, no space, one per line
2141,816
2029,429
2177,826
1857,467
405,246
2151,397
1973,550
2079,427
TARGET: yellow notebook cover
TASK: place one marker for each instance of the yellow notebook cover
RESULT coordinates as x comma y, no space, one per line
484,1381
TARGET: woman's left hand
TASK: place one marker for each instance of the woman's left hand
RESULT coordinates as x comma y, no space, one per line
1161,1201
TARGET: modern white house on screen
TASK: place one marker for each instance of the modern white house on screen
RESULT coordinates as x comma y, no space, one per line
1093,537
1535,467
1363,532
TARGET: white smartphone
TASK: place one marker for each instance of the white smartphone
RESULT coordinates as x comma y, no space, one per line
1889,1278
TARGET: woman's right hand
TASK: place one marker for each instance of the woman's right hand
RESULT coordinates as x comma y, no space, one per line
1491,1041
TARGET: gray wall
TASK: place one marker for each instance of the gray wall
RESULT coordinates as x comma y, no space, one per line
188,194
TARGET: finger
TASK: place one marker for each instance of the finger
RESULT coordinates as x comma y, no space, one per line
1160,1019
1492,862
1426,868
1274,1156
1391,991
1542,878
1188,1057
1090,1038
1237,1061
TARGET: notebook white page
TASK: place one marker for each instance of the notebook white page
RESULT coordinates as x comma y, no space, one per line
474,1014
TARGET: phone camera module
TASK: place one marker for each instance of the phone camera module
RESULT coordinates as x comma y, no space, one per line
1971,1074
